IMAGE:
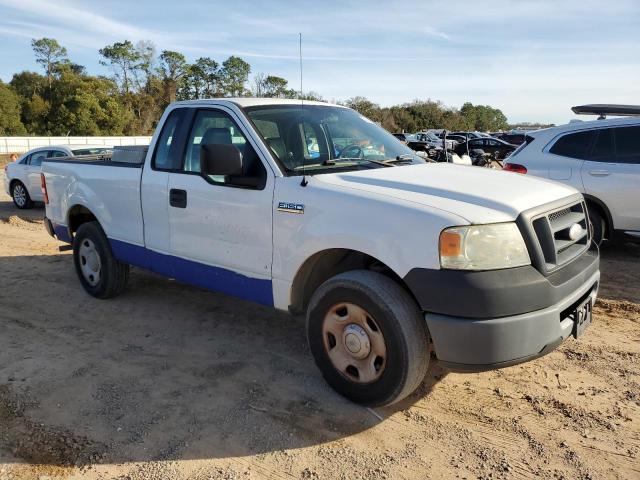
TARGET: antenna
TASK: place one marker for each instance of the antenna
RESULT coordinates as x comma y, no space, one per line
304,182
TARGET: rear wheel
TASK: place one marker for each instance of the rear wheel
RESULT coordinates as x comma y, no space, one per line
20,195
368,337
101,275
597,225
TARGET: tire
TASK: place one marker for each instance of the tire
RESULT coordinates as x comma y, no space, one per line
101,275
20,195
333,319
597,225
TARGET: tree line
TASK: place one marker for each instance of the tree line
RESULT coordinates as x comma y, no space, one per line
64,99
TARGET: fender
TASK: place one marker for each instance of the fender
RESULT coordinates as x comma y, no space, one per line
607,214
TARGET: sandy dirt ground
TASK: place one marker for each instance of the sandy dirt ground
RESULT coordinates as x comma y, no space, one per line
168,381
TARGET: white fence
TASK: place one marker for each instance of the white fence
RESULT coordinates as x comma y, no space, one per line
23,144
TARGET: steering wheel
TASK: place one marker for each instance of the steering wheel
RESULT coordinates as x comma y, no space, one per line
351,151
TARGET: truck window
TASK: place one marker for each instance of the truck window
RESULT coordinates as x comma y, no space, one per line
214,126
164,157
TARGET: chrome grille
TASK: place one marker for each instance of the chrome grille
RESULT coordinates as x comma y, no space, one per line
558,235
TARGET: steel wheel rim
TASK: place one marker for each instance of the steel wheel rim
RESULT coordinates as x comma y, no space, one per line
90,263
354,343
20,195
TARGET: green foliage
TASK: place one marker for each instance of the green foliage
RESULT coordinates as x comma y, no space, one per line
483,117
49,53
10,123
233,76
366,108
68,101
272,87
125,59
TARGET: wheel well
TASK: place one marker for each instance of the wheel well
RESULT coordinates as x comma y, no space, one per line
598,206
323,265
79,215
13,182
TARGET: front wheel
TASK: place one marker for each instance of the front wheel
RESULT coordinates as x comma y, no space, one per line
368,337
597,225
101,275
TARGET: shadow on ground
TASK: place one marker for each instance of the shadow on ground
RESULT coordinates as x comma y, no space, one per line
165,371
8,210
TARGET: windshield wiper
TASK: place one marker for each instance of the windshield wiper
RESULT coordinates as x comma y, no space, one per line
335,161
406,157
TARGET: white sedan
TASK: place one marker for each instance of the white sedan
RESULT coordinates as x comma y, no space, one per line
22,177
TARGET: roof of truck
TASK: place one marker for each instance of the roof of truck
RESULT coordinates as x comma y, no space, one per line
253,102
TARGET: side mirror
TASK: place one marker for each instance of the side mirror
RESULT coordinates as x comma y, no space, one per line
220,159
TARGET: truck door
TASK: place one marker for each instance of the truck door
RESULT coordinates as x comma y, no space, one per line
221,233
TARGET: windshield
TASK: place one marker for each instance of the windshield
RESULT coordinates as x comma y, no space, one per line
92,150
317,138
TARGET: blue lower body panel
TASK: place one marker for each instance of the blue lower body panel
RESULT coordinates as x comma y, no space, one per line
62,233
187,271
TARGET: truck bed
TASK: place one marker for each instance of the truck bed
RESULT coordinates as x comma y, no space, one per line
112,188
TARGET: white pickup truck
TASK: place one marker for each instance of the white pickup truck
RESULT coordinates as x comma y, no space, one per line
312,208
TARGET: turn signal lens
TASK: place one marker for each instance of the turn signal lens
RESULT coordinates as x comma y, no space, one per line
450,244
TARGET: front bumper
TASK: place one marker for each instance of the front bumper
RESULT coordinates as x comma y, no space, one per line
486,320
467,344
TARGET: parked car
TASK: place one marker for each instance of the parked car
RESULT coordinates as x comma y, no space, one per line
403,137
457,139
22,177
498,148
600,158
392,259
513,138
469,134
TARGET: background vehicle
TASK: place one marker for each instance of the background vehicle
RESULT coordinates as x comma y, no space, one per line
403,137
434,140
513,138
473,134
600,158
498,148
22,177
390,257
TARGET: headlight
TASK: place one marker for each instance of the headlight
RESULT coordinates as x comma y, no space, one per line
483,247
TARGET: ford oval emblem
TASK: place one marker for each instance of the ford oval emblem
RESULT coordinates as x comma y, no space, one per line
575,232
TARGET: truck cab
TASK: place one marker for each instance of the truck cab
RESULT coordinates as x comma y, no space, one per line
313,209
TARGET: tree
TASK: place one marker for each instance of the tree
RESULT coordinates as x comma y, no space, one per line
124,59
233,76
483,117
272,86
31,88
365,107
144,69
10,122
49,53
173,66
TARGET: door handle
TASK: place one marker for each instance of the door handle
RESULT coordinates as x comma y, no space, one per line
599,173
178,198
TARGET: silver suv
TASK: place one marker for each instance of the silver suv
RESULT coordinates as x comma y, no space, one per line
600,158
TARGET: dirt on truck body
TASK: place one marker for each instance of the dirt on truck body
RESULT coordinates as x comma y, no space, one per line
175,382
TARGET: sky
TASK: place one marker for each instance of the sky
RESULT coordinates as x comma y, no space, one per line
533,59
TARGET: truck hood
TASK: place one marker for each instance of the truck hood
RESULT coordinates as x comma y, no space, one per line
479,195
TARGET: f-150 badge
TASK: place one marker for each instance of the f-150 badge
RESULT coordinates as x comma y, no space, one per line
291,207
